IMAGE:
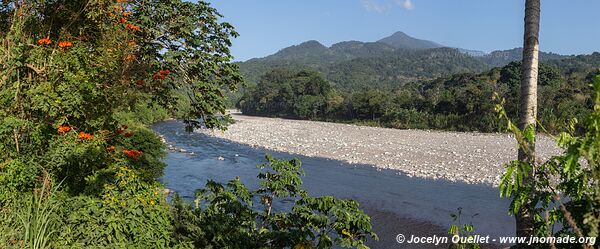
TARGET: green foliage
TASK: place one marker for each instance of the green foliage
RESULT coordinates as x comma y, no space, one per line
145,113
149,165
84,65
351,66
30,220
227,216
79,80
73,76
460,102
401,67
288,94
463,231
503,57
370,103
565,188
38,216
130,212
196,49
14,177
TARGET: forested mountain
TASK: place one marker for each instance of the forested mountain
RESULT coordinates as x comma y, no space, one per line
389,62
313,52
503,57
356,49
404,82
400,67
356,64
315,56
403,41
579,64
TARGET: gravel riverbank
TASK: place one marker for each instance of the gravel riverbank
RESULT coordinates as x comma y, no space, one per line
455,156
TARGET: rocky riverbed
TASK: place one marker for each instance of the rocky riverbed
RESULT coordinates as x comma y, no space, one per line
454,156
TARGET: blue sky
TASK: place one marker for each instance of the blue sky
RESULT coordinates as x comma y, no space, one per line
266,26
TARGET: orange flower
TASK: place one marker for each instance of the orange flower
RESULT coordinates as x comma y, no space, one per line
126,13
132,27
110,148
84,136
162,74
65,44
122,20
132,153
130,58
64,129
118,8
45,41
131,43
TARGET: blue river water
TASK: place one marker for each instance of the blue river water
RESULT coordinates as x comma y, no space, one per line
397,203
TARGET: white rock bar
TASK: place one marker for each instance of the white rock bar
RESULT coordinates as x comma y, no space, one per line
455,156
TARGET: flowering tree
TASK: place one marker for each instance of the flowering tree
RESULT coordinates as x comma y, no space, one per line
66,68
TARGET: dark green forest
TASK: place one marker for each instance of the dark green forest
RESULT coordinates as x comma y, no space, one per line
407,90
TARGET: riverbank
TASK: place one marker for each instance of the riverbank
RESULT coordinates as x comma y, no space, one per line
396,203
455,156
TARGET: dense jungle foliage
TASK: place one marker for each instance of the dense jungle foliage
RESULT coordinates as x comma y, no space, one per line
80,80
376,67
460,102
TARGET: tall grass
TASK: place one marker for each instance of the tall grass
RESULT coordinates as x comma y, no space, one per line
38,217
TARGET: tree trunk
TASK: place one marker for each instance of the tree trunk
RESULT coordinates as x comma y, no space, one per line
528,109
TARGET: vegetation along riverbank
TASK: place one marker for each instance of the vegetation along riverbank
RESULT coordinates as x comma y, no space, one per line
79,82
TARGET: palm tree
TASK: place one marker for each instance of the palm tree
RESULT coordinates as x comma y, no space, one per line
528,108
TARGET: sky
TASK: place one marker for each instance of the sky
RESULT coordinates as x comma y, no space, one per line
266,26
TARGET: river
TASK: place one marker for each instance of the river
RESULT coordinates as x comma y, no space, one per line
397,203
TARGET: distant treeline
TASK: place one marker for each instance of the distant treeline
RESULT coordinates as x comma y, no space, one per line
462,102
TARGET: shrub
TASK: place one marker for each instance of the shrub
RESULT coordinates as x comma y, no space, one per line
565,191
130,212
227,216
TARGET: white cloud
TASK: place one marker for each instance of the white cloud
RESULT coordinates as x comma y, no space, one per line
381,6
373,5
407,4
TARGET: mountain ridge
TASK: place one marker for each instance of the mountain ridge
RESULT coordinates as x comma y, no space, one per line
401,40
390,61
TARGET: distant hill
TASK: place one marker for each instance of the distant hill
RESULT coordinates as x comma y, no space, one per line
503,57
401,67
347,70
403,41
388,62
313,52
356,49
470,52
306,52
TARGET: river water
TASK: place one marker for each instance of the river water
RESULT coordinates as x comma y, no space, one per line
396,203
